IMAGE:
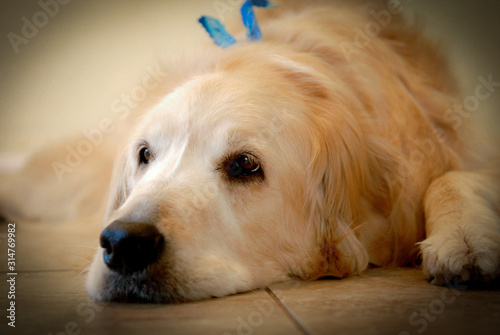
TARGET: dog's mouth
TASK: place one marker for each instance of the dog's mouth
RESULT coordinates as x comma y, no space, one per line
139,287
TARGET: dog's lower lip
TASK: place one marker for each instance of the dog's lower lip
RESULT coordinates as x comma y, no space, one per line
131,297
139,287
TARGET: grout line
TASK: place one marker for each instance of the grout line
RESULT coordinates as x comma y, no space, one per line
302,327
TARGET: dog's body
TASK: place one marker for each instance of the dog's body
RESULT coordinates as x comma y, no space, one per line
304,155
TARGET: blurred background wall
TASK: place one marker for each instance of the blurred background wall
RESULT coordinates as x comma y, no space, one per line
63,76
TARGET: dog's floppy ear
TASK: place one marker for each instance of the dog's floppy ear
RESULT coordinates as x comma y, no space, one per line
120,183
337,174
336,169
352,171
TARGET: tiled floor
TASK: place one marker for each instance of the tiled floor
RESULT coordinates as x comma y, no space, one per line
50,298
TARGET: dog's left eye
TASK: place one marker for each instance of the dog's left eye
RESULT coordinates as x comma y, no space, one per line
144,156
242,166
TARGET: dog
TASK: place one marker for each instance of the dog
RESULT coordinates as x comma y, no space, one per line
315,152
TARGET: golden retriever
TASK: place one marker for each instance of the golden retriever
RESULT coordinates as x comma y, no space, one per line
332,144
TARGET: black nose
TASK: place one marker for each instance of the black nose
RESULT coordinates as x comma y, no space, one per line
131,246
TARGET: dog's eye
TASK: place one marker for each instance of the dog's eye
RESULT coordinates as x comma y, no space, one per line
144,156
242,166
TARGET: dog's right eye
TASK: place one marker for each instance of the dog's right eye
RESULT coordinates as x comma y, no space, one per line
243,166
144,156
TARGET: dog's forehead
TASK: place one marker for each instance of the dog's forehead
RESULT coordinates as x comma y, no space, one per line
212,106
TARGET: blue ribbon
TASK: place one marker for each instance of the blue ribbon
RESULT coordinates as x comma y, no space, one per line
262,3
219,34
217,31
249,19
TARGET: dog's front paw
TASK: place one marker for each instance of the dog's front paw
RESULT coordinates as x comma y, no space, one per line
469,256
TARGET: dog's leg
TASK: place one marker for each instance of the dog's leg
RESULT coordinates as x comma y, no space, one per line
52,187
462,212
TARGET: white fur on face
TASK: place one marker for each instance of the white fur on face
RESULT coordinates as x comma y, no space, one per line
221,235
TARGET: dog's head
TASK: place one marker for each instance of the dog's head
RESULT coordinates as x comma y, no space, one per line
246,176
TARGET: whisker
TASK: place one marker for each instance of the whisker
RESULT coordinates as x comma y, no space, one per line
83,259
82,272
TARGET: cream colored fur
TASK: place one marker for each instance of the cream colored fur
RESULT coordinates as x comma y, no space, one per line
361,164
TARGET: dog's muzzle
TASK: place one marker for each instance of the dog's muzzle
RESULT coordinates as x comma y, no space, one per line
131,246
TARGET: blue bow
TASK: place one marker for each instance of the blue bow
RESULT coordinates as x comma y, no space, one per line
217,31
219,34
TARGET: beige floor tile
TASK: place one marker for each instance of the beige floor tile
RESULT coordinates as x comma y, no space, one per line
43,246
56,302
391,301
